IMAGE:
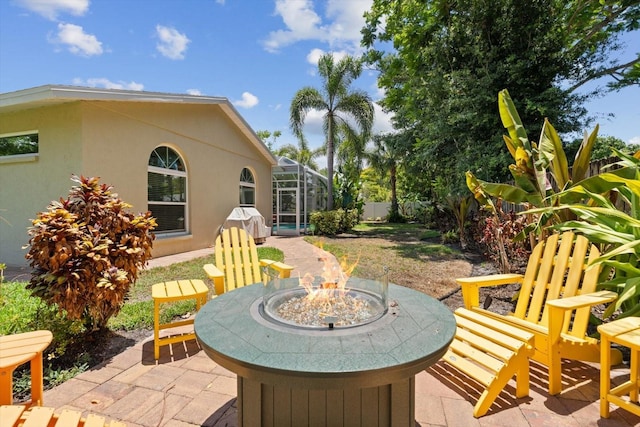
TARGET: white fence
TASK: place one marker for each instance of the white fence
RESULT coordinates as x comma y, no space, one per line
375,210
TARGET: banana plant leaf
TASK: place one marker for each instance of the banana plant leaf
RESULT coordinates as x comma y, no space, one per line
510,145
597,233
604,215
511,121
623,266
511,193
523,180
628,248
552,151
631,290
583,156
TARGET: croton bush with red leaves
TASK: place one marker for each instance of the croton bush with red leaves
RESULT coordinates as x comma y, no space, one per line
86,252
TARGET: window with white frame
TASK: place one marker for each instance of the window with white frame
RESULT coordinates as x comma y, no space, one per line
167,190
247,189
15,144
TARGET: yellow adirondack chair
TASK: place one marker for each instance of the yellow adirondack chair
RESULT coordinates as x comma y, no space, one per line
556,296
237,262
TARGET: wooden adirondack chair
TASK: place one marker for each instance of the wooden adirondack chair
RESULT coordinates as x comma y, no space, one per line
555,301
237,262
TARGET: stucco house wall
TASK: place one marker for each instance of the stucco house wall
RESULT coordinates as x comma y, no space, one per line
111,134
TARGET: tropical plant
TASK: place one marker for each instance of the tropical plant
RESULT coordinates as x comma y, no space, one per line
264,135
613,225
387,155
341,106
459,207
374,186
534,163
302,154
86,251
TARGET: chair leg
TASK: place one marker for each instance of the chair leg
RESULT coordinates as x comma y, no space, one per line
37,381
156,329
518,366
555,370
633,395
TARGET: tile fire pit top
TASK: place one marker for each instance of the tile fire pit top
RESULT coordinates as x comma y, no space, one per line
414,334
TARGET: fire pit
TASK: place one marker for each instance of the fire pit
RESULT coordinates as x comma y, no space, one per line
321,302
346,374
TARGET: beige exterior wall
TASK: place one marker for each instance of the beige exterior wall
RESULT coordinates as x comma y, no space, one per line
27,187
113,140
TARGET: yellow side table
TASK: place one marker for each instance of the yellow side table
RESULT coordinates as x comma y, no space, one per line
625,332
18,349
165,292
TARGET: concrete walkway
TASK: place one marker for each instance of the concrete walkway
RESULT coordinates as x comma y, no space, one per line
186,388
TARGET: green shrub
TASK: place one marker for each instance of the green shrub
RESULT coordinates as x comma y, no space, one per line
334,222
451,236
349,218
326,222
86,251
396,218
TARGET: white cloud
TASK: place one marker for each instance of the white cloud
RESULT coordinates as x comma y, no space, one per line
634,140
381,120
348,20
344,19
108,84
314,56
302,23
194,92
50,9
248,100
313,122
77,41
172,43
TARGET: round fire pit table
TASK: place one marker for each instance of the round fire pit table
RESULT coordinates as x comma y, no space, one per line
289,376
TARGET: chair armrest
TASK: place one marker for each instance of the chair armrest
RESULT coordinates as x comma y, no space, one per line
559,307
284,269
471,286
216,276
579,301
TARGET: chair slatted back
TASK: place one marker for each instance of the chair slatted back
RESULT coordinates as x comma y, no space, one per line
237,257
557,268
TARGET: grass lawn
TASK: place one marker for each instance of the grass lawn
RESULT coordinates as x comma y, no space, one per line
20,312
415,255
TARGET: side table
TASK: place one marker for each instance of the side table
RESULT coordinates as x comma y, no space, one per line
14,351
624,332
179,290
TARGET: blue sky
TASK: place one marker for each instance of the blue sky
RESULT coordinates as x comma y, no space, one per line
256,53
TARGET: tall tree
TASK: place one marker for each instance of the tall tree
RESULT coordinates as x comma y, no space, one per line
264,135
340,104
442,64
302,153
388,153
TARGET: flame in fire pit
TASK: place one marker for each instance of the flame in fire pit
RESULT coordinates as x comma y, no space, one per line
333,299
334,278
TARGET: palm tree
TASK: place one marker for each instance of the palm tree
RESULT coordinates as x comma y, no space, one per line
341,106
302,153
388,153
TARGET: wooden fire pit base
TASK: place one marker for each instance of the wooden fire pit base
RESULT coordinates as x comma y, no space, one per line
385,405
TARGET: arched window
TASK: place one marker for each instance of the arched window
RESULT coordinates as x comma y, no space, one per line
247,189
167,190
